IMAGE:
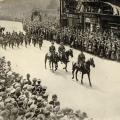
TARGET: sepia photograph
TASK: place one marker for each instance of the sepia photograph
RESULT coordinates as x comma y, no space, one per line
59,59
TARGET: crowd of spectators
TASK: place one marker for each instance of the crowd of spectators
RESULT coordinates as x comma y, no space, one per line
101,44
27,99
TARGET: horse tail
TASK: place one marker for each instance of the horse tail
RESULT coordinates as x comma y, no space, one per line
73,66
45,60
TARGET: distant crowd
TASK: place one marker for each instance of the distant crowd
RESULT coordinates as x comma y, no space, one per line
96,43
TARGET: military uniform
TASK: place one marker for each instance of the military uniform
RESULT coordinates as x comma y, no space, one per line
81,59
61,51
52,50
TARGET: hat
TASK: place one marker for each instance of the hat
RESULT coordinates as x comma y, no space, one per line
38,80
84,115
45,95
57,103
20,103
54,96
18,89
8,100
47,113
17,85
34,79
21,97
12,91
44,87
56,109
39,99
28,115
25,87
30,102
25,81
49,107
2,81
8,105
29,87
41,117
78,113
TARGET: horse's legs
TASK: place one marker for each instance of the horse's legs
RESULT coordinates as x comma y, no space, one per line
66,67
89,80
56,66
50,64
73,69
82,79
45,60
76,75
73,73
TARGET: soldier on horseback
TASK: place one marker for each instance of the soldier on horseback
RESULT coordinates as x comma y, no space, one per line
81,60
61,51
52,50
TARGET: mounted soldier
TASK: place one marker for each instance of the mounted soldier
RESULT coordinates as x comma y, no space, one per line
61,50
81,59
52,50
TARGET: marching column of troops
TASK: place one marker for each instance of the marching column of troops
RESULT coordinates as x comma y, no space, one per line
27,99
15,39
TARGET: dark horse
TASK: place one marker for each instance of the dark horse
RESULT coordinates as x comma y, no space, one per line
65,58
53,59
83,69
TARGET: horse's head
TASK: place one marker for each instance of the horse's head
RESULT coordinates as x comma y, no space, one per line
71,52
92,62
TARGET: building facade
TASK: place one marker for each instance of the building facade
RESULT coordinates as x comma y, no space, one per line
91,15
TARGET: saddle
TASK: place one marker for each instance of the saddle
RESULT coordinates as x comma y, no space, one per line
81,65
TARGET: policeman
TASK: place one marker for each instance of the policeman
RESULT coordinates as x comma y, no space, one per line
52,49
61,50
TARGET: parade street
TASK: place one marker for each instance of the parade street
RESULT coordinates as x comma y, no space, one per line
101,101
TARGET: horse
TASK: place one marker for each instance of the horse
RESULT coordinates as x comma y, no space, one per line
65,58
52,60
85,69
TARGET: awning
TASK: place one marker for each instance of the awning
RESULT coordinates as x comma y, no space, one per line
116,9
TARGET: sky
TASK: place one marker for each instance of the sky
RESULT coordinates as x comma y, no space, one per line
43,3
